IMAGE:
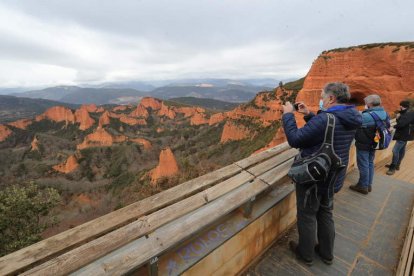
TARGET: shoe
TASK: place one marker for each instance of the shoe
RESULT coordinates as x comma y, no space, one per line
326,261
294,248
391,169
396,167
369,188
358,188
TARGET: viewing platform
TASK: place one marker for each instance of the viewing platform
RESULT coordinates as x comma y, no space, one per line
236,220
370,229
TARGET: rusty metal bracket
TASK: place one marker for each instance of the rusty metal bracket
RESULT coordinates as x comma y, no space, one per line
248,207
153,267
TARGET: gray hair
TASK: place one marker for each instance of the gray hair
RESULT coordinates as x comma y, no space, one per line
339,90
373,99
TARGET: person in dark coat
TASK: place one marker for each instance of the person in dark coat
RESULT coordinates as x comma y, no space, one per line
364,141
404,131
314,206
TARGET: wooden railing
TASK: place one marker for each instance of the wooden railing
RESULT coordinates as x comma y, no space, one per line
137,235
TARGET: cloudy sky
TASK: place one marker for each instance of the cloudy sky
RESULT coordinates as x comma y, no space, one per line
49,42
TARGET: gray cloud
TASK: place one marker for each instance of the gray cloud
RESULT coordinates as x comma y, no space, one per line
95,41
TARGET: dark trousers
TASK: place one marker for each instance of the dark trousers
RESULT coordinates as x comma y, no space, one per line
315,222
398,152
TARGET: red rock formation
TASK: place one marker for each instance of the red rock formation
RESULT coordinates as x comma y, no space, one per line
100,138
189,111
140,111
152,103
4,132
115,115
167,111
68,166
199,119
266,108
82,117
217,118
35,144
99,110
120,108
22,124
233,132
147,144
167,166
90,107
132,121
386,70
159,129
57,114
104,119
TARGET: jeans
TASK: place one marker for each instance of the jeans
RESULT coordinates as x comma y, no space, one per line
365,162
398,152
314,220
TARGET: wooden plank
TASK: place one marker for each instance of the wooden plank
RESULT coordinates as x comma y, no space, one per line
276,174
130,257
272,162
97,248
408,243
59,243
262,156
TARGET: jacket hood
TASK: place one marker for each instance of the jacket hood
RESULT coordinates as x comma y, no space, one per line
350,117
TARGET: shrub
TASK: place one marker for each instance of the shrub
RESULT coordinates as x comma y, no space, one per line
24,215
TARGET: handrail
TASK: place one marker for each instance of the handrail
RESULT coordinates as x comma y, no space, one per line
65,241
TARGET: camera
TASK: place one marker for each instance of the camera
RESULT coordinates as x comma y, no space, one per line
296,106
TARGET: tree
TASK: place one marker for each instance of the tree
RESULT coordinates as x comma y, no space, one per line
24,215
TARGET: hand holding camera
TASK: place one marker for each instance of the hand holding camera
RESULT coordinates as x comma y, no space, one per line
301,108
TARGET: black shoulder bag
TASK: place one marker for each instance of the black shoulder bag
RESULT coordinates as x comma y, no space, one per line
320,166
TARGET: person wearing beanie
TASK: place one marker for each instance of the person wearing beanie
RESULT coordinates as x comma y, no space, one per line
404,131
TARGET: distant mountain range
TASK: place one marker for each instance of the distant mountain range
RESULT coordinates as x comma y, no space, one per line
206,103
130,92
15,108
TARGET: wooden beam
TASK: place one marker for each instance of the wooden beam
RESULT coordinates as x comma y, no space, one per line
262,156
137,253
274,175
272,162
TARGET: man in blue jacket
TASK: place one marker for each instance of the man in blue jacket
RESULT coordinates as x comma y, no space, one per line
314,206
364,141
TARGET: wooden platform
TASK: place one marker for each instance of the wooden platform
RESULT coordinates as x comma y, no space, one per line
370,229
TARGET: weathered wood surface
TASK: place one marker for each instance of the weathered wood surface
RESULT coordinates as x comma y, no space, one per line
61,242
370,231
99,247
262,156
272,162
132,256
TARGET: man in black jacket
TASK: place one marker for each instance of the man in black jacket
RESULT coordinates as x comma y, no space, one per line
404,131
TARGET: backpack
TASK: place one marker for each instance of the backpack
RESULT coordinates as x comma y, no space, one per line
383,136
320,166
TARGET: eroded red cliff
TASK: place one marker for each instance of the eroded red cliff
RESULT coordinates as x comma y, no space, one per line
68,166
167,166
234,132
82,117
101,138
4,132
22,124
386,70
57,114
